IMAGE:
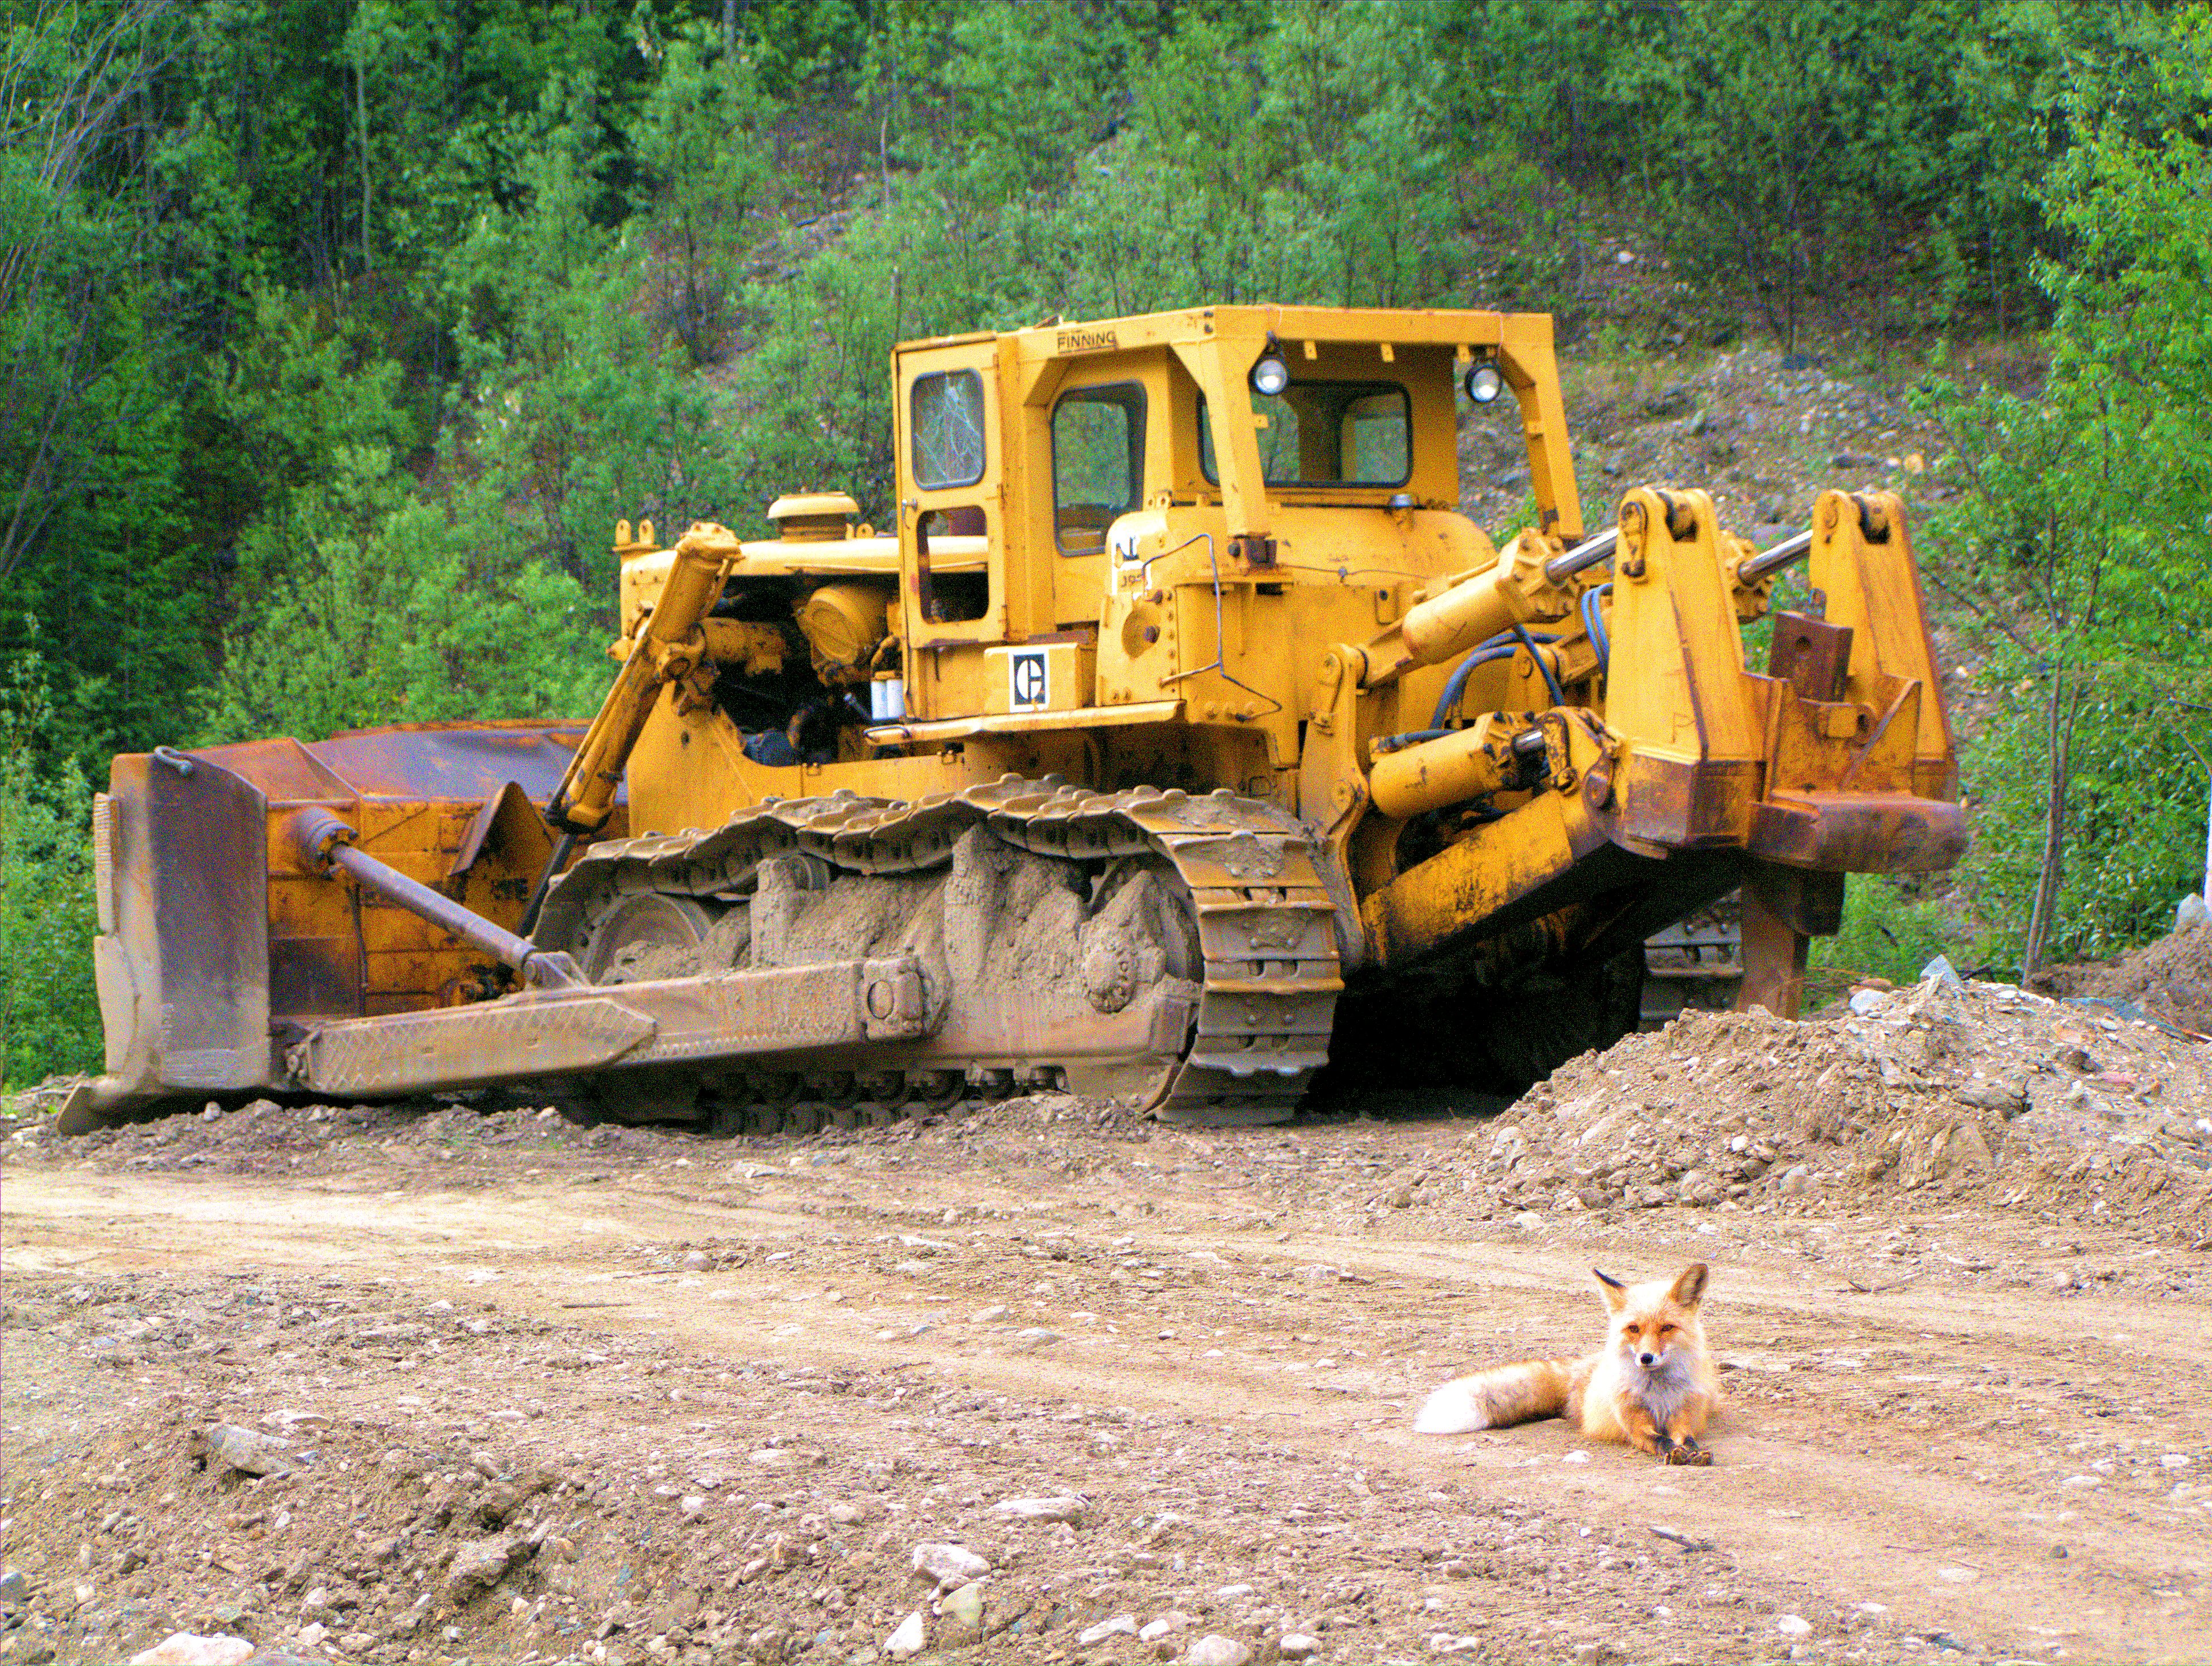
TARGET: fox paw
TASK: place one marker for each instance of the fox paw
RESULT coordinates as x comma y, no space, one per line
1690,1453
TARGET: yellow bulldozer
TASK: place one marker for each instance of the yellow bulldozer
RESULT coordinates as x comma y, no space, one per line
1180,737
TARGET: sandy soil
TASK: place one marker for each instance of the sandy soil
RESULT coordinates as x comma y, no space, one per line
627,1395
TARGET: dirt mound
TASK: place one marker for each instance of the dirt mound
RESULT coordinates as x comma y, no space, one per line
1979,1093
2170,979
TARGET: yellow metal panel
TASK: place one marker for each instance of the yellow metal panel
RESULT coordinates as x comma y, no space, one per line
961,728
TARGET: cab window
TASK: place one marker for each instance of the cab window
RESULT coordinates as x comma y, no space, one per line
945,421
1326,434
1097,464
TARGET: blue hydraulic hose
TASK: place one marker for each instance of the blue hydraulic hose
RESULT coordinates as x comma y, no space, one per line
1593,611
1455,685
1552,682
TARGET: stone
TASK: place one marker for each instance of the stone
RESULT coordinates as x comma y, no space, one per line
1530,1221
2006,1098
1298,1645
190,1649
1865,1003
481,1564
1163,1625
906,1641
948,1564
988,1316
1121,1624
1597,1654
1215,1650
1791,1625
245,1451
312,1634
963,1613
1061,1507
15,1585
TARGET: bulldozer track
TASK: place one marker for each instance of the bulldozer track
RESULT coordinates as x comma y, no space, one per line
1255,877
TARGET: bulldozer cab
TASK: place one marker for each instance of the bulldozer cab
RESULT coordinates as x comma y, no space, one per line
952,477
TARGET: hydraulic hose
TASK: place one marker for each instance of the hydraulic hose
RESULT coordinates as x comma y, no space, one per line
1592,613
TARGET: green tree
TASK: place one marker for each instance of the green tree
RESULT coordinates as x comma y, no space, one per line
49,1013
2083,546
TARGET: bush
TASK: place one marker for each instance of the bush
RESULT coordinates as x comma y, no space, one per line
49,1013
1886,933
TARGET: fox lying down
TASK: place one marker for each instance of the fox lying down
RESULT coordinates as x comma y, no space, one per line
1652,1385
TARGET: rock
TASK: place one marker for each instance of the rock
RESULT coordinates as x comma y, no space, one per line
1943,971
698,1261
1865,1003
1121,1624
948,1564
312,1634
2006,1098
245,1451
1297,1645
961,1611
1597,1654
988,1316
1063,1507
1231,1593
189,1648
2191,914
1530,1221
1032,1337
1163,1625
906,1641
1791,1626
14,1586
480,1565
1215,1650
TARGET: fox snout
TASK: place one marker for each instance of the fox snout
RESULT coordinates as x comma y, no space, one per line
1647,1358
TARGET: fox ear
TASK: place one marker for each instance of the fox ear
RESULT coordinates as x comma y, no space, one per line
1689,1286
1614,1291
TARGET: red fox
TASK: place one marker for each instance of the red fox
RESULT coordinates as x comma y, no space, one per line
1652,1385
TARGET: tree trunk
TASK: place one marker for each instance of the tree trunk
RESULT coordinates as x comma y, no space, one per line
360,123
2042,914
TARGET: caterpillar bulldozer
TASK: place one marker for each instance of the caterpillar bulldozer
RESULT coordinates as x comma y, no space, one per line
1180,737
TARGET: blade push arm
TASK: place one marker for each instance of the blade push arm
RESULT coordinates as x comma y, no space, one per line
667,645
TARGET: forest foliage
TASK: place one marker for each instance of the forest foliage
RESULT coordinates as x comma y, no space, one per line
334,339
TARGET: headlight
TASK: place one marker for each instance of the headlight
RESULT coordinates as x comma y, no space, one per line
1483,383
1270,376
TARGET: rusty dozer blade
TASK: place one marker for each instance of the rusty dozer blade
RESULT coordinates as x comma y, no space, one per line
219,947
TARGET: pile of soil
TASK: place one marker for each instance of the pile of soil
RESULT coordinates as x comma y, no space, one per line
1978,1093
2170,979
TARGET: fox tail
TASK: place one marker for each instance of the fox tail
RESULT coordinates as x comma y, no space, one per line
1491,1399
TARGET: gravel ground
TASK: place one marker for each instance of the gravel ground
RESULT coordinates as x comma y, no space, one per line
429,1383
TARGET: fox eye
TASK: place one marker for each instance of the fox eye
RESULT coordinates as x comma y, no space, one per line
1667,1330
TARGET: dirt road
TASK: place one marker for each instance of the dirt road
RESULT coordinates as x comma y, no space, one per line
701,1401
